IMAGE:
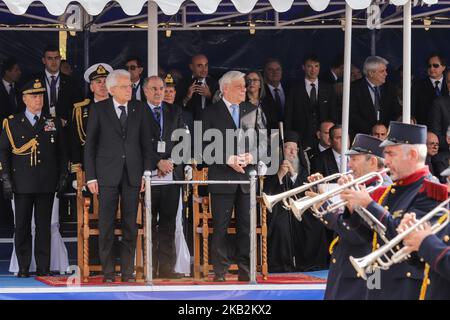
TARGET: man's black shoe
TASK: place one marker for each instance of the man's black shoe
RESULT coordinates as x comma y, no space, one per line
43,273
219,278
170,275
109,278
130,279
243,277
23,274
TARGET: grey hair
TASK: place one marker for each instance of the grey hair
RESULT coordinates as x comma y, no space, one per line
111,79
372,63
228,77
146,80
420,148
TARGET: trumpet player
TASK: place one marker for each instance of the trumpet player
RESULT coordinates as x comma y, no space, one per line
413,190
435,251
343,282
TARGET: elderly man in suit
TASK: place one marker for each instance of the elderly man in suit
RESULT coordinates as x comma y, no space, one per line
117,152
372,100
231,112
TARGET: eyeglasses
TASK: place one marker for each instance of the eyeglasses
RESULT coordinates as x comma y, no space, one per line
253,80
132,68
434,65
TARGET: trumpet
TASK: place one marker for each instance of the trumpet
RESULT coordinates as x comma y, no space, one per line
380,258
298,207
271,201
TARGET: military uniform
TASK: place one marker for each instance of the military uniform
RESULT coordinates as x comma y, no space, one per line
436,253
80,114
33,159
416,193
353,237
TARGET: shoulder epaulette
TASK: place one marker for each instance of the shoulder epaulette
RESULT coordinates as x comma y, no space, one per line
83,103
434,190
376,194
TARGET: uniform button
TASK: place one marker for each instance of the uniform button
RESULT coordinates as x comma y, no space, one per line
123,156
428,281
39,152
446,238
408,274
397,247
23,137
358,275
326,222
378,245
37,136
39,161
348,228
334,260
386,207
422,260
392,190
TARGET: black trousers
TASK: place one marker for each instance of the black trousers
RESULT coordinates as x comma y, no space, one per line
108,204
222,207
43,205
165,200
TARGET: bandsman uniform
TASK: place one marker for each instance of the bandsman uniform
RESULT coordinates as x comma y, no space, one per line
417,193
33,166
353,237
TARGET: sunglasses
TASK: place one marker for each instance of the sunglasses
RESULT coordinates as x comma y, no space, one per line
132,68
434,65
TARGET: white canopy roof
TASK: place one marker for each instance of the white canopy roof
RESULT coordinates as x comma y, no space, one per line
171,7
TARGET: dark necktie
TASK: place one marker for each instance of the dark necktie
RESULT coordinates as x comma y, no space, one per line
12,98
134,91
157,113
36,120
123,117
313,94
436,88
53,91
278,104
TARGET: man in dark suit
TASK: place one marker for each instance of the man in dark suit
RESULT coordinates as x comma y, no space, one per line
336,72
9,93
117,152
135,68
231,112
372,100
323,136
274,102
329,161
197,92
425,91
440,116
310,103
165,199
62,91
33,166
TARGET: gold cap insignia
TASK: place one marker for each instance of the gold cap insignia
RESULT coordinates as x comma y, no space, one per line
169,80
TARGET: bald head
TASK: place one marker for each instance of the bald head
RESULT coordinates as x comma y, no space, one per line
199,66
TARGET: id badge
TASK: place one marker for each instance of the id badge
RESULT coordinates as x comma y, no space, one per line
161,147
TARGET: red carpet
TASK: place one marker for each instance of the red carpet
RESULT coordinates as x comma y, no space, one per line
62,281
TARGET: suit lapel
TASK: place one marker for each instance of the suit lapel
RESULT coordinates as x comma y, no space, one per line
226,115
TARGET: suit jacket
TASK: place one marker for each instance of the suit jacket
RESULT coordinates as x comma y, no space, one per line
6,108
69,92
440,119
329,77
108,150
362,111
270,109
217,116
141,89
38,173
423,96
172,116
304,118
325,163
194,105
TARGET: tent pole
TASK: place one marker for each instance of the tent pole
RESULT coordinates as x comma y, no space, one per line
152,42
407,62
346,89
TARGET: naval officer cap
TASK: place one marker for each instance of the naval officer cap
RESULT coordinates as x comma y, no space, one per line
365,144
34,86
96,71
405,133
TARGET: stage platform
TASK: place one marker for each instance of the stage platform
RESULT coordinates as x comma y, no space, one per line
277,288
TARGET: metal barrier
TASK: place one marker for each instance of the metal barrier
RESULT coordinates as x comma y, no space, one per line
148,217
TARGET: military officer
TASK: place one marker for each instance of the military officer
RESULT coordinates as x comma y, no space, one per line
413,190
33,166
95,75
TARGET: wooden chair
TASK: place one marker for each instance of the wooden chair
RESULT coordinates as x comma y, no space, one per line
87,227
202,224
